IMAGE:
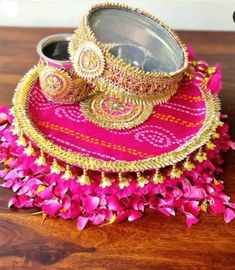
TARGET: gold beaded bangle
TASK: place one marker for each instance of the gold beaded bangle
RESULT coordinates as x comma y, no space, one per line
92,60
58,81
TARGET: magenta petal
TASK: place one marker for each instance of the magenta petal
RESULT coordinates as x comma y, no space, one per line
23,190
46,194
122,216
134,215
229,215
191,53
98,219
7,184
90,203
81,222
114,204
192,207
51,207
215,82
190,220
17,185
168,211
216,206
11,175
197,193
12,201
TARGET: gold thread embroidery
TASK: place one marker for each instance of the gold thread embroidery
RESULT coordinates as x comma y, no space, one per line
113,113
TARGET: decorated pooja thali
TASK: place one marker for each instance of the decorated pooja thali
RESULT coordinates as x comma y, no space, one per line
114,119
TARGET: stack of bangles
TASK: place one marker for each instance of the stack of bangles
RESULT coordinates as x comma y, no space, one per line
116,118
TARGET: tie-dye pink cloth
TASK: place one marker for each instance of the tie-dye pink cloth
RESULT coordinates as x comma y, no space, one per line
171,125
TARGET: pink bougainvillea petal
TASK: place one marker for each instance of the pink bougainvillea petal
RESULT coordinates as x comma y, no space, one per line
190,220
81,222
133,215
90,203
229,215
191,53
215,81
12,202
51,207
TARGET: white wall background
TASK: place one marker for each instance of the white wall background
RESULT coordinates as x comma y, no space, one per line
195,15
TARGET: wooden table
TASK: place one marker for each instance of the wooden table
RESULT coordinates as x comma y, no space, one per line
151,243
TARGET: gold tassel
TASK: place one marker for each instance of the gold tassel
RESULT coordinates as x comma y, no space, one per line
55,167
215,135
123,181
210,145
41,160
221,123
211,70
201,156
40,188
29,150
175,172
12,111
142,181
189,166
158,177
105,181
84,179
21,141
68,174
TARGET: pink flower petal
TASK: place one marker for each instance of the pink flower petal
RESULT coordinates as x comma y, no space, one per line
190,220
191,53
51,207
229,215
98,219
46,194
215,81
134,215
81,222
12,201
90,203
114,204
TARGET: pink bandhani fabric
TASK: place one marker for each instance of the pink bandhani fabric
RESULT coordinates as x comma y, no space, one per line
171,124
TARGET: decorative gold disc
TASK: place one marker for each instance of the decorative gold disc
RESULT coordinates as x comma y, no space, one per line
114,113
88,61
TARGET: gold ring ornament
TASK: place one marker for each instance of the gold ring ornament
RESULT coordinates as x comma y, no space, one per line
128,54
89,61
59,83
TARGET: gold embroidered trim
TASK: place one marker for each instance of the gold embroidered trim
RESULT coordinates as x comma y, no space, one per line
22,118
117,114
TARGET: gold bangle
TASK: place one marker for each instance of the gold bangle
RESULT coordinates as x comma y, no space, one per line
59,83
116,77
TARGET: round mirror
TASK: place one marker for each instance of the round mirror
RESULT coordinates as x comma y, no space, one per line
137,39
